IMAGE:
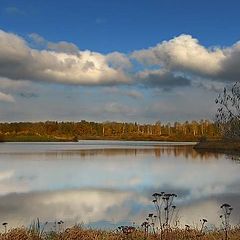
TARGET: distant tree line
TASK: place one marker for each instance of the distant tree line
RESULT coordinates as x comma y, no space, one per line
193,130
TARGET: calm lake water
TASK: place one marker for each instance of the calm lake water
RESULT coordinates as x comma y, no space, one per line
106,183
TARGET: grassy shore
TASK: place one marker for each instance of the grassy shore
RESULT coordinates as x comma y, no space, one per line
123,137
26,138
221,146
142,138
74,139
80,233
34,138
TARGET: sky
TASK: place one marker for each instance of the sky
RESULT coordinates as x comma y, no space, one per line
139,61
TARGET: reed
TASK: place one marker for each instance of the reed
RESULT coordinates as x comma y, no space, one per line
81,233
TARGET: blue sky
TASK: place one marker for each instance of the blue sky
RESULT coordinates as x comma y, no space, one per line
135,60
124,26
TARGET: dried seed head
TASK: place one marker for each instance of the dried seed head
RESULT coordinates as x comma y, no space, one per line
226,205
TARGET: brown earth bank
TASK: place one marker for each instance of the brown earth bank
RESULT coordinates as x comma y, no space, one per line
221,146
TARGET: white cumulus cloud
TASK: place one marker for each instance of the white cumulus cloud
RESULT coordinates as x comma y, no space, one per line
185,54
19,61
173,63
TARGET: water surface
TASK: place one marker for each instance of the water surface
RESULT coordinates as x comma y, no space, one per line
106,183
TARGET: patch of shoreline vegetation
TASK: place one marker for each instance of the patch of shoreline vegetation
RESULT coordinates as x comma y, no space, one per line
220,146
81,233
164,224
33,138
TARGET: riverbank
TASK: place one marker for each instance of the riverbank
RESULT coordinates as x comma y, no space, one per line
220,146
49,138
142,138
26,138
34,138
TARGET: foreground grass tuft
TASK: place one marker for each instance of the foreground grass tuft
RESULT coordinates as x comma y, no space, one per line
80,233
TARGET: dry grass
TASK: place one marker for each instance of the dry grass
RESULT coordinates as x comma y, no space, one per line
80,233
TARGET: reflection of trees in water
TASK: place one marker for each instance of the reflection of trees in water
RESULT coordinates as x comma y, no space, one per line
235,158
185,151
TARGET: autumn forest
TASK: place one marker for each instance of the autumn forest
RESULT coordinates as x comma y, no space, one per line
73,131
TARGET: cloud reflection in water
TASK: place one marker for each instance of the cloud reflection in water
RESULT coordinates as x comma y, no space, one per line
94,183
